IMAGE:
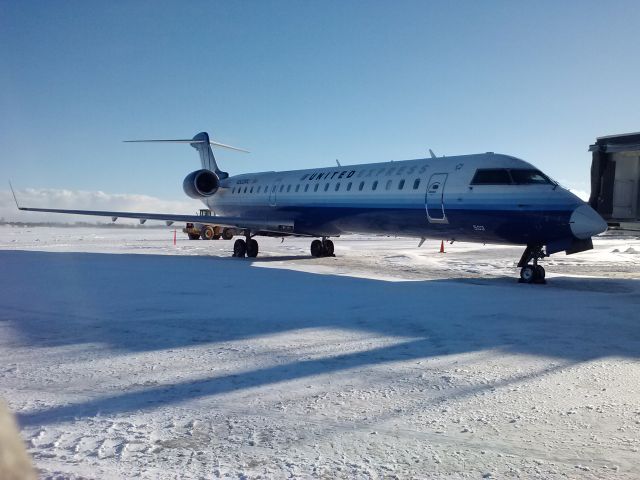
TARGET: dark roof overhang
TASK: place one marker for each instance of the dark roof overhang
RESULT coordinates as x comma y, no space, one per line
626,142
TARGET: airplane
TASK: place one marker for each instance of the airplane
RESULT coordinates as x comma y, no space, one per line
487,198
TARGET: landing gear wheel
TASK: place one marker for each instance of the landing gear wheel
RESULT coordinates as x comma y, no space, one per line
239,248
252,248
207,233
538,274
316,248
532,273
227,234
216,237
328,248
194,236
527,274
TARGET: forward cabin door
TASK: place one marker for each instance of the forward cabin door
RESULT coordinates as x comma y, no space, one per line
272,195
435,198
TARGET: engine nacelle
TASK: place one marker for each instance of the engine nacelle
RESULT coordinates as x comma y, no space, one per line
201,184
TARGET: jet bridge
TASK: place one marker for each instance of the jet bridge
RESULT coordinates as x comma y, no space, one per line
615,179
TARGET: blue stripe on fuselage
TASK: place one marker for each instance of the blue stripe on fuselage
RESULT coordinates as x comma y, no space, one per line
503,224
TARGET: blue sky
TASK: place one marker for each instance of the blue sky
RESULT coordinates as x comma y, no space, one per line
303,83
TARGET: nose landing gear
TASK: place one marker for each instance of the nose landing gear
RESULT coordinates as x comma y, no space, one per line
533,273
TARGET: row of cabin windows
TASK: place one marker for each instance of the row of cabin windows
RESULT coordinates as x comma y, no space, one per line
350,185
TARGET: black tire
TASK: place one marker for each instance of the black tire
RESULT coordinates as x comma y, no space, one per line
316,248
227,234
239,248
539,273
252,248
193,236
216,237
328,248
527,274
207,233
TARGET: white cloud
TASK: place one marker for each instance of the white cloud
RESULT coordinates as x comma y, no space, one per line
84,200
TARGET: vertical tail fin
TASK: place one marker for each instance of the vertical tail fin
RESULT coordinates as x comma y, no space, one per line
202,144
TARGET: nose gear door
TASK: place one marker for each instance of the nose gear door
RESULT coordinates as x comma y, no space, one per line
434,200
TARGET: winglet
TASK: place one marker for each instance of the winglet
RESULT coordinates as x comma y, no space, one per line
14,195
433,155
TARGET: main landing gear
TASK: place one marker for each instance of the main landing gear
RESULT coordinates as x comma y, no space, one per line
248,247
532,273
322,248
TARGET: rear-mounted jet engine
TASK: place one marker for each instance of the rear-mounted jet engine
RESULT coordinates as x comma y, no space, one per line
201,184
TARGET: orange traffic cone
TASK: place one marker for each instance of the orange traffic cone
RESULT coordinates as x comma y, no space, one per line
442,246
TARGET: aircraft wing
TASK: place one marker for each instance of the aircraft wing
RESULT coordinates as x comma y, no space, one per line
253,224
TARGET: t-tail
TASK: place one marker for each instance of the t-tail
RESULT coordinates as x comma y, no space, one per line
202,143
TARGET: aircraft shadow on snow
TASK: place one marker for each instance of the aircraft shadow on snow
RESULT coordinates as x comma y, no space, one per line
151,302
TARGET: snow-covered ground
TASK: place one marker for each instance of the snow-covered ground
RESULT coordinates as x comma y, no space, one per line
126,357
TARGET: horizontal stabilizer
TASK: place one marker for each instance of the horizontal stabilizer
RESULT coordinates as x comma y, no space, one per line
210,142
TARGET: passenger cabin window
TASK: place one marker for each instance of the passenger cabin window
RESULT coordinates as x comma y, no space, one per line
288,188
251,191
375,185
349,186
388,187
416,183
361,186
401,184
326,187
281,188
306,187
315,189
297,188
259,188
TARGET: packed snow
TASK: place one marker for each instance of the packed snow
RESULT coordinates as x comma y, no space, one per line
124,356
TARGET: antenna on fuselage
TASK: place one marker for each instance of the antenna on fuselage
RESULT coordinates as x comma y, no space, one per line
338,162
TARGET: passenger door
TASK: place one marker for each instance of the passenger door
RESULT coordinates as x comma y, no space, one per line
435,198
272,195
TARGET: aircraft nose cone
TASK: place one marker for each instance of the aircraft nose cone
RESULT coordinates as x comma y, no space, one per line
585,222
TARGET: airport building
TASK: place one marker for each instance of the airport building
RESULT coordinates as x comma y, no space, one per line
615,179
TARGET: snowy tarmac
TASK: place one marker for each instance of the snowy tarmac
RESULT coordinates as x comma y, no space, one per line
126,357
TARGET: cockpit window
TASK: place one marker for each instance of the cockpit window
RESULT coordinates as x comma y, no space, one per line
506,176
527,177
491,176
